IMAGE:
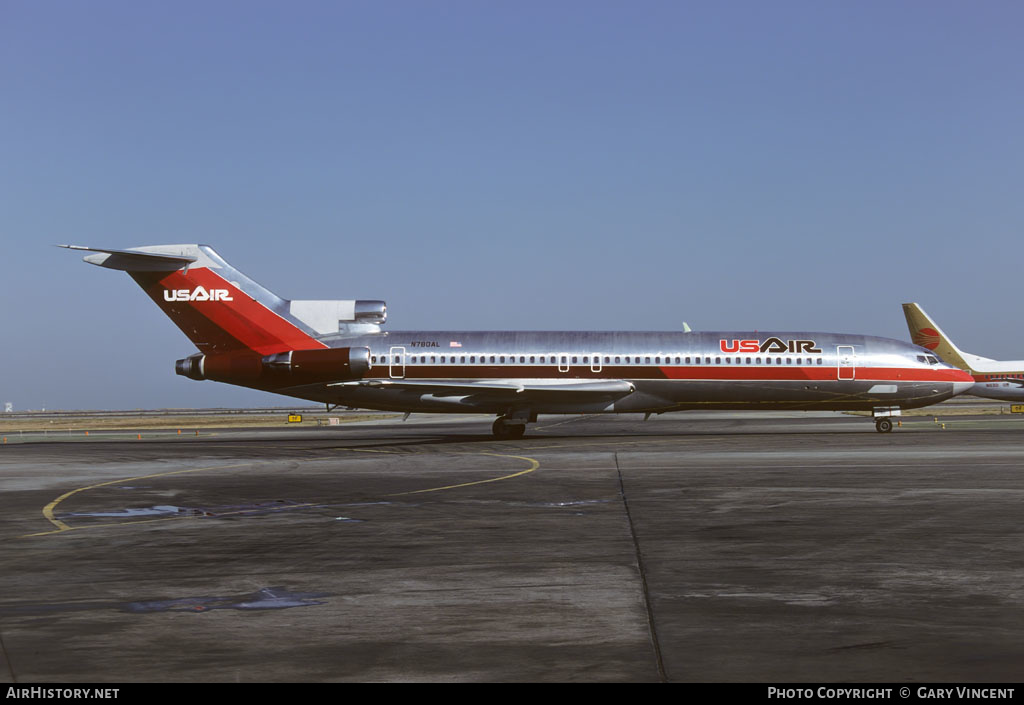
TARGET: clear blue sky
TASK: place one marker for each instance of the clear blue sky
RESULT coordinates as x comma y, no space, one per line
506,165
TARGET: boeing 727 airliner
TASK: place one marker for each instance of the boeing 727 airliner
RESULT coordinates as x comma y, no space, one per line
335,352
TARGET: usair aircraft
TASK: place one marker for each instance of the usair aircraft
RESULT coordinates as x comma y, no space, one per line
336,352
994,379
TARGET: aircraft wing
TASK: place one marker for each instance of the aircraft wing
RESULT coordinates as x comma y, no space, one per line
512,389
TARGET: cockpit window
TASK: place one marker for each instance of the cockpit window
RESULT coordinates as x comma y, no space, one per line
933,360
920,358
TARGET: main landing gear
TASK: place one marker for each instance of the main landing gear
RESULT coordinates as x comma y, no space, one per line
883,424
505,428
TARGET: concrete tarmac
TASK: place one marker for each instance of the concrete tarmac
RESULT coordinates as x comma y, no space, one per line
728,547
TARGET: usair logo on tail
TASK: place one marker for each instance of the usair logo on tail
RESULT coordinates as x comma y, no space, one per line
199,294
926,338
772,345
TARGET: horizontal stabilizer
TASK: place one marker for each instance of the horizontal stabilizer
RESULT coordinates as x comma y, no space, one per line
134,260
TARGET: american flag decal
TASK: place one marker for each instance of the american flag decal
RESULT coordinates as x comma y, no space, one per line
455,344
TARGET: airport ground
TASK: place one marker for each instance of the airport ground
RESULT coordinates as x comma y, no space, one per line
713,547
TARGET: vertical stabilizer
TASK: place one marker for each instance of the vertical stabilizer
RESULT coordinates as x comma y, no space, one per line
924,332
216,306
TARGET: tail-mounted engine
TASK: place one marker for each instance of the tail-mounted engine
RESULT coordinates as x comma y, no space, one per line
371,312
284,369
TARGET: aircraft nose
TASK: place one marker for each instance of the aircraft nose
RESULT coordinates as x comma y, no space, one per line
961,387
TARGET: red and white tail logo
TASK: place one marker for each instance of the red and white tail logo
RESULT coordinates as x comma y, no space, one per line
927,338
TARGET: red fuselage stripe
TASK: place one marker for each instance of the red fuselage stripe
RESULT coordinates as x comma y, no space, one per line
764,373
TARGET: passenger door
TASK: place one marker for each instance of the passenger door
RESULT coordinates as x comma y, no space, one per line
847,367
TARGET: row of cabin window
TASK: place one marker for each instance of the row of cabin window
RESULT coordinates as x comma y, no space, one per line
576,360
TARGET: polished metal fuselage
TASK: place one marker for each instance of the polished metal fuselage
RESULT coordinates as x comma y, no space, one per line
668,371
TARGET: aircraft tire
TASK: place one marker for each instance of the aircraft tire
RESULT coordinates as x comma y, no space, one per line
504,431
883,424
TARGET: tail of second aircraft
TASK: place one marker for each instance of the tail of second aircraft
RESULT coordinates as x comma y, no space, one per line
223,311
924,332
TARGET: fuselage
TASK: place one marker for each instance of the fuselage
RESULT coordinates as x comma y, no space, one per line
669,370
1002,380
993,379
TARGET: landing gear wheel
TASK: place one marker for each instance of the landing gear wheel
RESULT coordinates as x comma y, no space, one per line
883,424
503,430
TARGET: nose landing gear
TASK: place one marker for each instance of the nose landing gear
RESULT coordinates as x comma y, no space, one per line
883,417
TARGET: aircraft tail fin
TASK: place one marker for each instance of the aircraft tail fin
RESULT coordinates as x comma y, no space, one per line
925,332
222,310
